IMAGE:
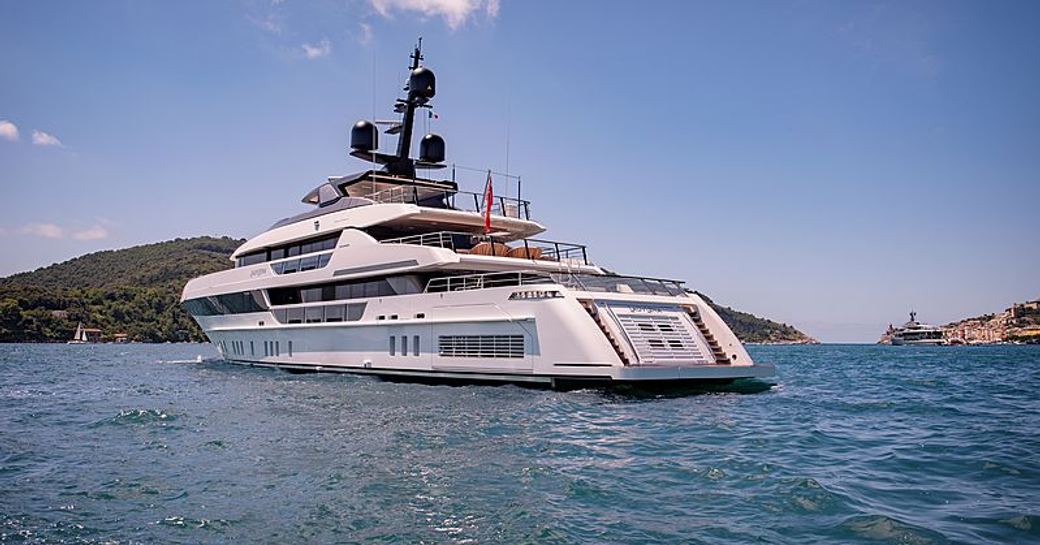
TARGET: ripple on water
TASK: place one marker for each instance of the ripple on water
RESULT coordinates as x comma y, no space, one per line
890,530
853,444
137,417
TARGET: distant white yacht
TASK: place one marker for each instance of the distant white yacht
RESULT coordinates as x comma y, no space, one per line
404,276
914,332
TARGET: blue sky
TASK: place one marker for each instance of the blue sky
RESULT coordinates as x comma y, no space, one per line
827,164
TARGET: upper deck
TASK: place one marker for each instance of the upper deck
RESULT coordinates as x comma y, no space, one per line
398,206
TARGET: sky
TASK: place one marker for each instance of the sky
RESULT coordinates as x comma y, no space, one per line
826,164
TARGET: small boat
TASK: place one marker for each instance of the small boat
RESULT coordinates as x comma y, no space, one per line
80,337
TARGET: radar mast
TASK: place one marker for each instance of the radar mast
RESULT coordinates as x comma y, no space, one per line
364,136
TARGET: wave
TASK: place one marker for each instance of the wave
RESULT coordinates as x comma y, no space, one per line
137,417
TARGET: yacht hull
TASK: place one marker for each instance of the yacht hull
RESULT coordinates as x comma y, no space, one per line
658,376
485,336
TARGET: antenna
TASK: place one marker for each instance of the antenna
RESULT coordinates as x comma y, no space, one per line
420,88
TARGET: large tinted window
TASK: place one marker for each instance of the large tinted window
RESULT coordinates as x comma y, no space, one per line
319,244
331,292
252,259
229,303
339,312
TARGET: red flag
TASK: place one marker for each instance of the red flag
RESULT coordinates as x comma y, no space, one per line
489,196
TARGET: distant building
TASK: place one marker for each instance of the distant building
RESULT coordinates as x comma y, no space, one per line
1027,309
60,314
121,338
92,335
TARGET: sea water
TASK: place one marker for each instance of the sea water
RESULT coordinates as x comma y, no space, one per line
850,444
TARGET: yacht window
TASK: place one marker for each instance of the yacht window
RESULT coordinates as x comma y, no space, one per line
277,348
252,259
290,349
404,345
355,311
294,251
295,315
311,295
335,313
228,303
309,263
343,292
278,253
324,260
415,344
393,345
278,268
290,266
314,314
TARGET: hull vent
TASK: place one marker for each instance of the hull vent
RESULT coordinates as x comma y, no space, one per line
662,338
481,346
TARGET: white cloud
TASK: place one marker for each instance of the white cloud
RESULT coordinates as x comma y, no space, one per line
44,230
8,130
365,37
271,23
318,50
41,138
96,232
454,12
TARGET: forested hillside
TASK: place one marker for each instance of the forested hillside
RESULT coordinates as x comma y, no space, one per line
134,291
752,329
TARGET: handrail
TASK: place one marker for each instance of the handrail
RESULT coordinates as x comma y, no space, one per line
501,206
549,250
579,282
466,282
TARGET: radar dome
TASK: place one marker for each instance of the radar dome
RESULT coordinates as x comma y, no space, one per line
364,136
422,83
431,149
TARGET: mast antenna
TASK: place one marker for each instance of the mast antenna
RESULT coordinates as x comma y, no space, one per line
420,88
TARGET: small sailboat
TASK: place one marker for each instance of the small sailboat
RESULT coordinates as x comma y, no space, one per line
80,337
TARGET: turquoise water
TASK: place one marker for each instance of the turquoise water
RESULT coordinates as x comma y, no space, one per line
854,444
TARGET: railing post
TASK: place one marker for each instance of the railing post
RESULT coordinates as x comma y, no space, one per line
476,204
584,255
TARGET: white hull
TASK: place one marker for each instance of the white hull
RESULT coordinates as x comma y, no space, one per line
920,342
552,340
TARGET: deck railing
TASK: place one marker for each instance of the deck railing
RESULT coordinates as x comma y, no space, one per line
467,282
459,200
579,282
620,284
538,249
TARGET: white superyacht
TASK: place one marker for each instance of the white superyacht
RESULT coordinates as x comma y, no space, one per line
403,276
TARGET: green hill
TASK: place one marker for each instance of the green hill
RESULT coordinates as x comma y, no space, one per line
134,291
137,291
752,329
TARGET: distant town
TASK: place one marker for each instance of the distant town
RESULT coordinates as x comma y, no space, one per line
1018,324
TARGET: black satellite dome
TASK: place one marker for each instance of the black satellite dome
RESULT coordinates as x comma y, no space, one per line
422,83
431,149
364,136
